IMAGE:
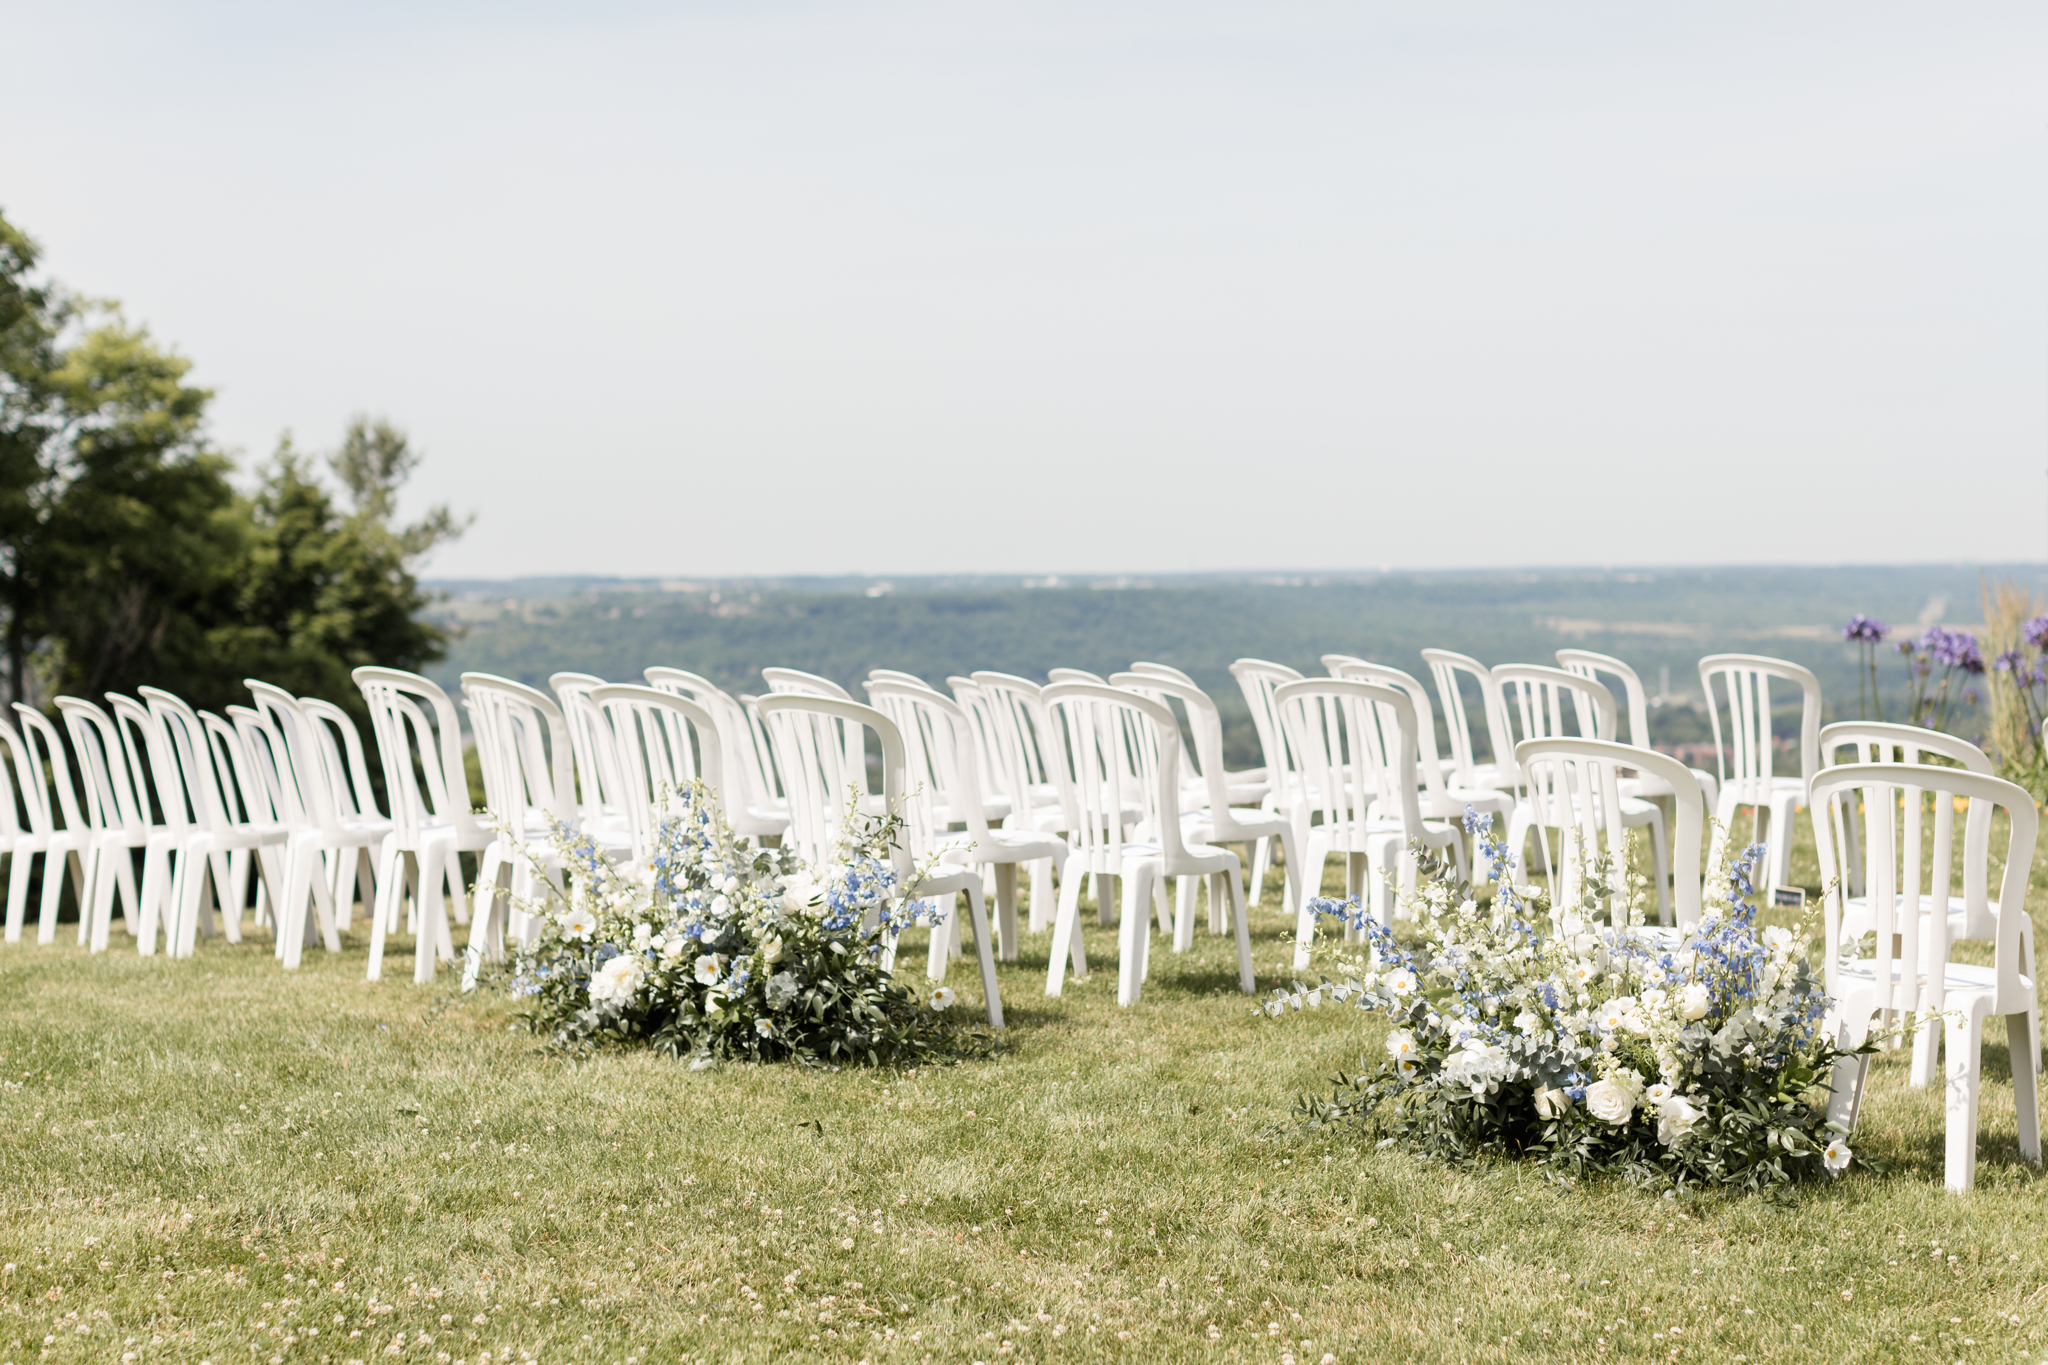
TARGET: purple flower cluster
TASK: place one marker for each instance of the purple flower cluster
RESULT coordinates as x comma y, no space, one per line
1950,649
1865,630
2036,632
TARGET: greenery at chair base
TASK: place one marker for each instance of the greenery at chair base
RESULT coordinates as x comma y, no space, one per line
717,951
1540,1034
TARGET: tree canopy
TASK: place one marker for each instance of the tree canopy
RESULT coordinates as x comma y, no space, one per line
129,556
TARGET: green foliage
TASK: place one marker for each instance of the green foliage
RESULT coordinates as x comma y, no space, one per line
127,556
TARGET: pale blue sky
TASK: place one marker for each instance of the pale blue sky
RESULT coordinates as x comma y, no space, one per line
891,288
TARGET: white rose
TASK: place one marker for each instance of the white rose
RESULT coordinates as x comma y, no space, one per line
674,948
1528,1021
1609,1102
618,981
771,950
799,891
707,970
1695,1000
1675,1119
1552,1103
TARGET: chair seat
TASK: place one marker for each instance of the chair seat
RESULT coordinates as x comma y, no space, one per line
1857,981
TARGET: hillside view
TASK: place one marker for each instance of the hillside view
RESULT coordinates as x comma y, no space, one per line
1659,620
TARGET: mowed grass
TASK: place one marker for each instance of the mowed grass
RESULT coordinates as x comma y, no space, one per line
213,1160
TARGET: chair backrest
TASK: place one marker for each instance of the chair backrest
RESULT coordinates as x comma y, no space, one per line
1205,724
1906,890
1120,760
185,739
1357,747
942,767
44,737
306,770
749,770
984,728
1587,664
597,766
1024,730
1074,675
1167,671
1259,679
1875,741
421,748
1445,667
803,684
244,797
525,753
1359,670
890,675
341,749
1573,783
1532,700
158,773
103,762
809,736
1742,682
650,733
269,755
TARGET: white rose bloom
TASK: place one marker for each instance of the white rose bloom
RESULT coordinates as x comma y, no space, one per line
720,906
1610,1103
707,970
1552,1103
1695,1000
618,981
1401,1043
643,934
799,891
1675,1119
729,885
1528,1021
771,950
1837,1156
674,948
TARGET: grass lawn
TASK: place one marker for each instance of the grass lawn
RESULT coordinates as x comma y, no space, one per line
212,1160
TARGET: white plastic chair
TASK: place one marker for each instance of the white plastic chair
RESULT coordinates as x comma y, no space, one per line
420,744
158,775
1747,775
803,684
1497,773
1577,786
1356,744
1026,774
1875,742
1285,793
257,829
1636,697
891,675
1121,758
60,847
943,778
117,821
1221,812
650,733
328,855
525,757
753,806
598,778
1440,801
810,740
1909,970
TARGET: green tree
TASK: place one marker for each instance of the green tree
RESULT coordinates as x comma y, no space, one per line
328,587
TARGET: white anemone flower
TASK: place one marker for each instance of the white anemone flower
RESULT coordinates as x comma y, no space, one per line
1582,973
1837,1156
707,970
943,998
764,1028
578,923
1401,982
1401,1043
1615,1014
1779,940
1657,1094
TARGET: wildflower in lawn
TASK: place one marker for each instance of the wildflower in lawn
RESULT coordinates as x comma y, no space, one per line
1837,1156
942,998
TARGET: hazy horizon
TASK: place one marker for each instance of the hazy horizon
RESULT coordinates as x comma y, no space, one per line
909,289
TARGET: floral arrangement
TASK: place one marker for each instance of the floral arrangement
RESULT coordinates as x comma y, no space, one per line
716,950
1535,1031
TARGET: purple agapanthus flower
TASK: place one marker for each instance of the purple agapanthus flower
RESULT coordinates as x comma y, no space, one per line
2011,661
1867,630
2036,632
1952,649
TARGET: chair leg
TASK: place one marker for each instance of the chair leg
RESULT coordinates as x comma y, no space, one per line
1134,932
53,886
1262,862
1184,914
1245,981
1066,933
433,943
939,953
1044,899
1926,1044
156,875
17,892
2025,1094
291,907
1965,1081
1006,908
390,866
1660,852
985,949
